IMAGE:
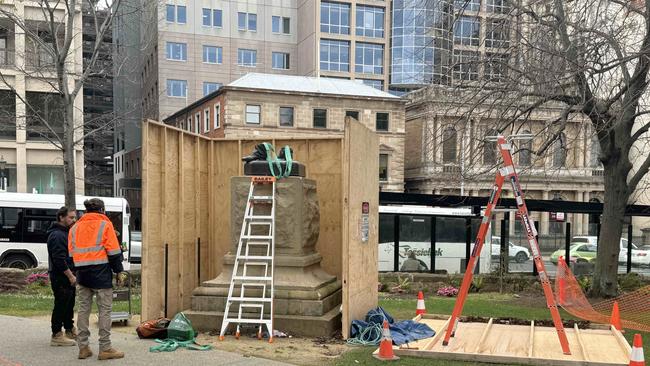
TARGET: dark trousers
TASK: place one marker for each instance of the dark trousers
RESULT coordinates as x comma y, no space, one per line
64,296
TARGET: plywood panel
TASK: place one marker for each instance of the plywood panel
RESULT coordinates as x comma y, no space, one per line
186,196
359,258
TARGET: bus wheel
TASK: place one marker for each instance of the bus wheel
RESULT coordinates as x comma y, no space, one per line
20,261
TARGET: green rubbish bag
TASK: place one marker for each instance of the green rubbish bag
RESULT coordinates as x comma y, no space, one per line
180,328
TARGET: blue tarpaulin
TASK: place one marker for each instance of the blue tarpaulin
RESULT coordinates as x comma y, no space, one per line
402,332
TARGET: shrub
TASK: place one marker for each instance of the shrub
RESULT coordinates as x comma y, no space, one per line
448,291
41,279
630,282
477,284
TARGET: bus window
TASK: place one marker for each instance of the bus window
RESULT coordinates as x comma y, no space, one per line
35,224
9,229
116,219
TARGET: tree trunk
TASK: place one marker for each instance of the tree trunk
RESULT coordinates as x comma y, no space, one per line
616,197
69,181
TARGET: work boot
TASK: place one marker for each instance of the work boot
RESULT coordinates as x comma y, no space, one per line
110,354
61,340
72,333
85,352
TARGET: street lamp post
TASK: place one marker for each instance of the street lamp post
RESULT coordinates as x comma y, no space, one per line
3,179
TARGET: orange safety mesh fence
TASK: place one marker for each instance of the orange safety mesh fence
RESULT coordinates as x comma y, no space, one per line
634,306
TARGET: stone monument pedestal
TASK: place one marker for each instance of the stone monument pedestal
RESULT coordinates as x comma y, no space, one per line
307,300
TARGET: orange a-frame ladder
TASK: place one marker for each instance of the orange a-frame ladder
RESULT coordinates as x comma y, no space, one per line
507,172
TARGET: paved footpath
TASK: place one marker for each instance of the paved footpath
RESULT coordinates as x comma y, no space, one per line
26,342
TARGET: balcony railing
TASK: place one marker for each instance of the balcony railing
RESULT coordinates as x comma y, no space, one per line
7,57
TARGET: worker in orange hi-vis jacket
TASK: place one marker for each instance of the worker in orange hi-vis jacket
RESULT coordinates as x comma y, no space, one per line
93,246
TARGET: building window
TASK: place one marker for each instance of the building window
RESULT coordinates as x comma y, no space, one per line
465,65
206,120
181,14
497,6
212,18
496,67
497,34
281,24
320,118
334,18
217,116
217,18
286,116
209,87
369,58
207,17
381,123
370,21
189,123
489,148
525,149
467,30
280,60
246,57
197,122
559,151
377,84
212,54
353,114
449,145
177,88
468,5
45,179
247,21
334,55
171,13
383,167
253,114
176,51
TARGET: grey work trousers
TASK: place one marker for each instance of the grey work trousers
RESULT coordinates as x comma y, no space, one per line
104,305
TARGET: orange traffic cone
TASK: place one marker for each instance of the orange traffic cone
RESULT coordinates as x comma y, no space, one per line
636,356
615,320
386,346
420,309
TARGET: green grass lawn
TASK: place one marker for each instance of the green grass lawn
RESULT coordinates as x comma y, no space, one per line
38,300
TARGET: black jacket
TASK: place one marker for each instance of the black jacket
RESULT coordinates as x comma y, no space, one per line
57,249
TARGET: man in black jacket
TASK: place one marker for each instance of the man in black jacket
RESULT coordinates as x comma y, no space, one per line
62,279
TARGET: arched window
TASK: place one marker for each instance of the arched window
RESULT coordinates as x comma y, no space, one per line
525,150
594,149
449,147
594,219
559,151
489,148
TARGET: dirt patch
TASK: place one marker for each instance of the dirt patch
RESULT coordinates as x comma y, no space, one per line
298,351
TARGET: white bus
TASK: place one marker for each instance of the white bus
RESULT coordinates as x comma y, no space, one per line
25,219
415,230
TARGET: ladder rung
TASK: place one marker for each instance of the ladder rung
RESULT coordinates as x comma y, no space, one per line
250,299
253,217
262,198
248,321
252,278
255,257
257,237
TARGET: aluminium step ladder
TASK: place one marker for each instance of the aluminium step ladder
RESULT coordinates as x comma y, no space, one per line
250,295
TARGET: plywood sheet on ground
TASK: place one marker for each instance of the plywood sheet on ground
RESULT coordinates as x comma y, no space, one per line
510,344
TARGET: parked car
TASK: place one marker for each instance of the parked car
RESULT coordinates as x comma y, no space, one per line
639,256
579,253
136,247
519,253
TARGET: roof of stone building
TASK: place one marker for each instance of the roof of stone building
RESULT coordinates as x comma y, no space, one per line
308,84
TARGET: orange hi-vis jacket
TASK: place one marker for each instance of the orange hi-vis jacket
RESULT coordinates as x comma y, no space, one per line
92,239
